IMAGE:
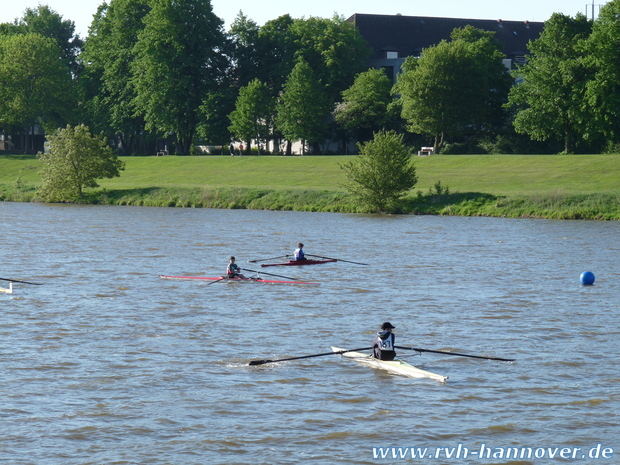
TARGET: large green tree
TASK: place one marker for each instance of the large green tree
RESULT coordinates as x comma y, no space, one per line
383,172
276,47
252,118
602,57
45,21
107,90
178,63
246,61
303,107
35,84
364,106
73,161
549,100
334,49
456,88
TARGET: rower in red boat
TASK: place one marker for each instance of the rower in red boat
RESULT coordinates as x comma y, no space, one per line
233,270
299,252
383,345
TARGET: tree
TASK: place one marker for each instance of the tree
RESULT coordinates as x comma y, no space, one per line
246,61
456,88
549,100
45,21
303,107
277,47
382,173
73,162
178,63
107,93
364,107
602,55
334,49
35,84
252,118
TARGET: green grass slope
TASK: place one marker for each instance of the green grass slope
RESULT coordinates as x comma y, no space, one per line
478,184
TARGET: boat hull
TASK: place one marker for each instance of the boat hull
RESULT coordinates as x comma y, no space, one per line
394,366
301,262
226,279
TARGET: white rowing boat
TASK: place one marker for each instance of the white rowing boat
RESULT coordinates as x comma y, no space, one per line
395,366
7,291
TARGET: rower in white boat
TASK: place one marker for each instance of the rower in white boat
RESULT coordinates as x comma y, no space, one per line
383,344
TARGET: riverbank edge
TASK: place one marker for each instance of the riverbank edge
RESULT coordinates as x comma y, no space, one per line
559,206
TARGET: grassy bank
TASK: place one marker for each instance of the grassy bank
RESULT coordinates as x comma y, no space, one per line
546,186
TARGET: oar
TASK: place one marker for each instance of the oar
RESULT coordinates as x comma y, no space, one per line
270,274
265,259
337,259
455,353
262,362
18,281
218,280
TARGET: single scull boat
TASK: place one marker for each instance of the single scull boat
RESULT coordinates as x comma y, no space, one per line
395,366
226,279
302,262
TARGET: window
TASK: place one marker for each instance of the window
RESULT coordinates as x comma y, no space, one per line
520,59
391,55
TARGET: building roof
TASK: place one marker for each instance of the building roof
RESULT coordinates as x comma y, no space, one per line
409,35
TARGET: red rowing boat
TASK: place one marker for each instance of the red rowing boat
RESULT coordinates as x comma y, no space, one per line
302,262
226,279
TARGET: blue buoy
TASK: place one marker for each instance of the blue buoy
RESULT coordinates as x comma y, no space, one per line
587,278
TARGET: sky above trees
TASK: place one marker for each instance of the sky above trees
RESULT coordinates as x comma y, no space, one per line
532,10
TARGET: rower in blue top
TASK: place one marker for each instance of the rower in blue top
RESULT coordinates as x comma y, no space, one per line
299,252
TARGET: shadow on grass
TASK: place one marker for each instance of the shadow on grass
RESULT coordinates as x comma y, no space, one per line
18,156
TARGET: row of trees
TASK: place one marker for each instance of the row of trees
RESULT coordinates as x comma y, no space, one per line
155,69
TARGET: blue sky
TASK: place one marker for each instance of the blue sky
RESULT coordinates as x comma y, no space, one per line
81,11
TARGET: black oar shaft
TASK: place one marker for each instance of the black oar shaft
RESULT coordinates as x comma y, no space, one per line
456,353
18,281
262,362
270,274
337,259
265,259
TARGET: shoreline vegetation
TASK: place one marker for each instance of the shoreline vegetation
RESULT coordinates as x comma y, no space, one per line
513,186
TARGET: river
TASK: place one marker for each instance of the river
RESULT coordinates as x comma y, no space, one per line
106,363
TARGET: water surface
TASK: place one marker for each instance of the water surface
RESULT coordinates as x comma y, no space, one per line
107,363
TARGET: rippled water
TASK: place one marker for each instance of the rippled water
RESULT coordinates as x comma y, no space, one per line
105,363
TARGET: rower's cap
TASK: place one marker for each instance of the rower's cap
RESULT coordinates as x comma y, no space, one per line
387,325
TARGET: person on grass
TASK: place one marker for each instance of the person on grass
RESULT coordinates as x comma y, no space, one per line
383,344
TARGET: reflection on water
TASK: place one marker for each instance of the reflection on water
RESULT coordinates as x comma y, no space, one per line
106,363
